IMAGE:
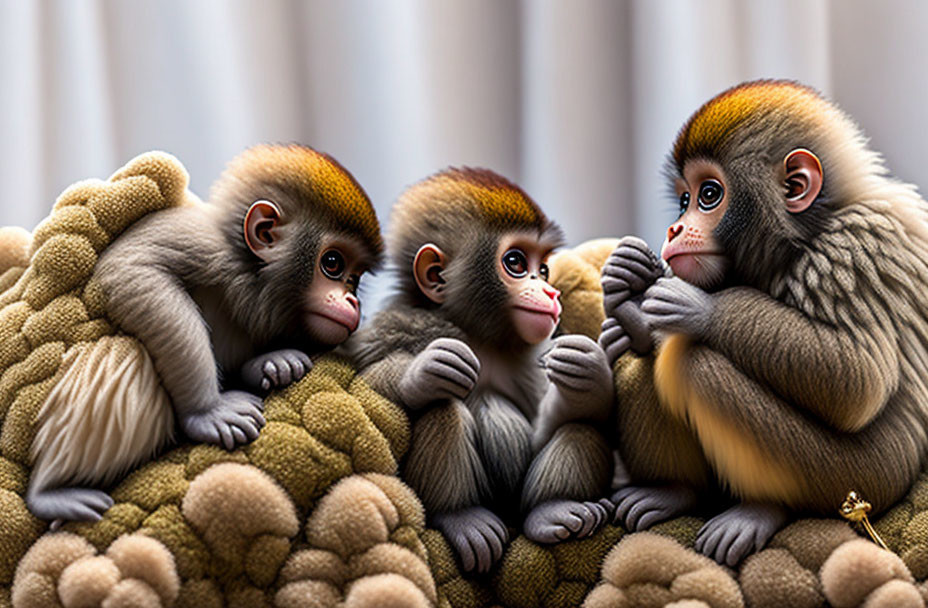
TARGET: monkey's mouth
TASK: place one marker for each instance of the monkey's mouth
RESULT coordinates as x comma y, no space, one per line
349,322
550,312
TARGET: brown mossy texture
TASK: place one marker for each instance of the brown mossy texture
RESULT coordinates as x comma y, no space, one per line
312,513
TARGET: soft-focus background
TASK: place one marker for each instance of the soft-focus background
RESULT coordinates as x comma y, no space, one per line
577,100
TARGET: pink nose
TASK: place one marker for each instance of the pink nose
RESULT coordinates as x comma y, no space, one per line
674,231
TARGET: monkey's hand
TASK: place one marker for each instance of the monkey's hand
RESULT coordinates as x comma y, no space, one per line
578,367
581,386
630,269
233,418
614,340
276,369
675,306
446,369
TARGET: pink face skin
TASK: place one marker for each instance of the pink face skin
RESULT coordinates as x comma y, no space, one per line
523,269
690,247
332,307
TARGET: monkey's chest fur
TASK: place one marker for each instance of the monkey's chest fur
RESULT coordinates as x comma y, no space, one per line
503,406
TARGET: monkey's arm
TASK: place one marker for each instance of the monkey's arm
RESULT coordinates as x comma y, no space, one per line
845,379
385,375
446,369
142,275
580,386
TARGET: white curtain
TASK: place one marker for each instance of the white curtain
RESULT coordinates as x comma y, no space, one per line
577,100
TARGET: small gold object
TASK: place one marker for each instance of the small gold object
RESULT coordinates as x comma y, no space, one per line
855,509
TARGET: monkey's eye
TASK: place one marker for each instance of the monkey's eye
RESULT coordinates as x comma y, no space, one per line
543,271
515,263
684,202
332,264
710,195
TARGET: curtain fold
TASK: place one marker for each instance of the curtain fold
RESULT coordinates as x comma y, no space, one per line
577,101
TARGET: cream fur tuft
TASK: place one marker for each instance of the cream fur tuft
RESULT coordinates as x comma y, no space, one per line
107,413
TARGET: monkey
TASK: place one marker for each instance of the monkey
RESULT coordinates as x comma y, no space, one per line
787,321
230,299
465,346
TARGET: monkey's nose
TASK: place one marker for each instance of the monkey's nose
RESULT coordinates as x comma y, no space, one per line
551,292
674,231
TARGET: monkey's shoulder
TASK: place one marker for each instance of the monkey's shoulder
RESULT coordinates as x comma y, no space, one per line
400,327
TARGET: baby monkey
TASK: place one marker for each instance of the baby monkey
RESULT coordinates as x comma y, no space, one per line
236,293
462,346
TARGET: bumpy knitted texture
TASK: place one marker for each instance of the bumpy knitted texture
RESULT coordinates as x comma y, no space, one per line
50,305
311,513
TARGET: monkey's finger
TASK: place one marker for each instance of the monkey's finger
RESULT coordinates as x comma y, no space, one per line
306,360
615,285
637,276
650,518
636,512
266,384
728,538
570,383
270,371
258,418
588,519
451,376
283,371
493,522
238,435
577,342
480,548
567,367
225,435
493,541
640,271
297,370
81,512
742,545
624,500
251,429
95,499
707,543
453,361
624,252
463,355
465,552
617,349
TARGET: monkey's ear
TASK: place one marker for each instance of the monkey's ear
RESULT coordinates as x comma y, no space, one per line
260,226
803,179
427,267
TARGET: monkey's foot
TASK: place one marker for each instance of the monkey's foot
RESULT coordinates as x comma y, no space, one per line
68,504
640,507
276,369
557,520
730,537
234,419
476,534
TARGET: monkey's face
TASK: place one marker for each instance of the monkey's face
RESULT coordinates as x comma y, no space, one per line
332,310
534,305
691,247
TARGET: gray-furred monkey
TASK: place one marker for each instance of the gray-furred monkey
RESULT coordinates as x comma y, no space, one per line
210,290
460,347
791,346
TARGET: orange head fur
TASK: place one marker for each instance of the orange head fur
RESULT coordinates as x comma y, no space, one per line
313,178
704,134
448,204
